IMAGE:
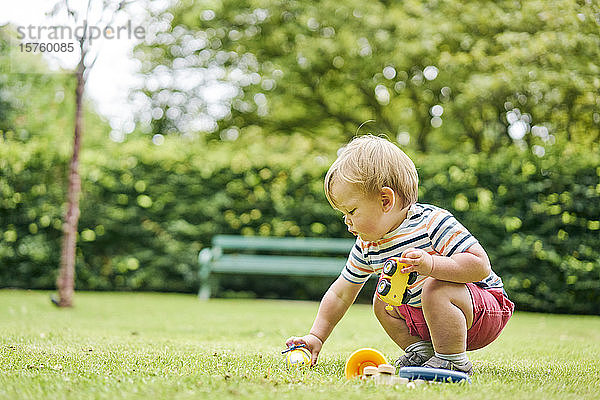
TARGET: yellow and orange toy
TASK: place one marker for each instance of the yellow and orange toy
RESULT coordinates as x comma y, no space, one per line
392,287
361,359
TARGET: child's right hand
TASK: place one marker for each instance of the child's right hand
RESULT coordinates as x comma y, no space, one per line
313,344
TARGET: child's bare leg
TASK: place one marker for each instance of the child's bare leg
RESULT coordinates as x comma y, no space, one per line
393,323
448,310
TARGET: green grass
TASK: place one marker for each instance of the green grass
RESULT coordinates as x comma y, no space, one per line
168,346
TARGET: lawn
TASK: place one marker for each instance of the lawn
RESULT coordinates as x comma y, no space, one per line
171,346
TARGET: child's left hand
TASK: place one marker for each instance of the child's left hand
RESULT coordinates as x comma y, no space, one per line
418,260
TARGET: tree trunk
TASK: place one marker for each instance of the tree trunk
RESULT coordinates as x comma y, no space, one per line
65,282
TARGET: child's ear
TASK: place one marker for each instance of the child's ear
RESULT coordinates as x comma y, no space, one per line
388,199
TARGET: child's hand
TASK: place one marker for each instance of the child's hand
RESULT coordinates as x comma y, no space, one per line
313,344
418,260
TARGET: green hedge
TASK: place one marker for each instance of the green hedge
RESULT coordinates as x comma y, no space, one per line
31,194
147,210
538,218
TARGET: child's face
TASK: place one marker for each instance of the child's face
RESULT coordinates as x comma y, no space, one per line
364,216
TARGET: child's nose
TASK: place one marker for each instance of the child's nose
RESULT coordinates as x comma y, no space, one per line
347,220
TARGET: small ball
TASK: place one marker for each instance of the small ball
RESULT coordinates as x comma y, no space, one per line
298,358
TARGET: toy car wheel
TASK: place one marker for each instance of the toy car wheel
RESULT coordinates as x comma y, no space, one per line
406,296
390,267
383,287
412,277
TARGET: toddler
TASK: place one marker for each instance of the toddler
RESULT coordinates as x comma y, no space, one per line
457,302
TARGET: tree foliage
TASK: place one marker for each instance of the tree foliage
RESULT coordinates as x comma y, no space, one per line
38,104
446,75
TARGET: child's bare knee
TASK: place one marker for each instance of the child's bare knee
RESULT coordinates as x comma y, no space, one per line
437,293
432,290
432,285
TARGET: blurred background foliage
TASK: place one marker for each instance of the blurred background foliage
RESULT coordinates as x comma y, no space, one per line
147,210
439,75
247,103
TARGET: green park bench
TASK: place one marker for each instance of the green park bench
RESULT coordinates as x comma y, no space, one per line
259,255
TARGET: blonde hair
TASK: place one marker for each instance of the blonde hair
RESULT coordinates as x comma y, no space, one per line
372,163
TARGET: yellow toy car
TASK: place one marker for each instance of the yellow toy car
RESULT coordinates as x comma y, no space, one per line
392,286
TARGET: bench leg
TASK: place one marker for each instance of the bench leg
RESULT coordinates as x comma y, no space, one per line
208,287
204,292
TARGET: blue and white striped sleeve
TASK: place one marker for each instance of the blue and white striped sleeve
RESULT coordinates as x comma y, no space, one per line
448,236
357,269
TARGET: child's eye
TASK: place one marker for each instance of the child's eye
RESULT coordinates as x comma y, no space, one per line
351,212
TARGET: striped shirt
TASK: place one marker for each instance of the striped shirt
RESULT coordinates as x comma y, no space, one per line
426,227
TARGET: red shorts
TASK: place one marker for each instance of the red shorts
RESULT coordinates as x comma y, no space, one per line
491,312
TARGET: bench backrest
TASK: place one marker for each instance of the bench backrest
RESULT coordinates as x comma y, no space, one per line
229,243
323,257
